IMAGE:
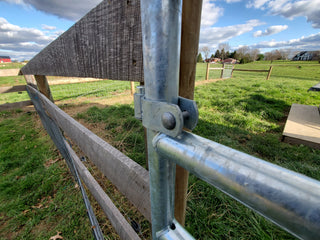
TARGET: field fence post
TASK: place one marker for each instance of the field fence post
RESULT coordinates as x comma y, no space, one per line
43,86
269,73
207,72
221,75
191,18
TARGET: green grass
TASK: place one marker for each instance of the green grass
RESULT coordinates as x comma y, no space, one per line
246,113
10,65
89,90
36,198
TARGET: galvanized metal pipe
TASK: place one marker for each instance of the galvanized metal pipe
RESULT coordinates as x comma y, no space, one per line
161,36
289,199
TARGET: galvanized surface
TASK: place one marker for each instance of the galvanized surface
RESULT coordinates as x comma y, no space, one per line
155,117
161,37
174,232
188,106
289,199
138,102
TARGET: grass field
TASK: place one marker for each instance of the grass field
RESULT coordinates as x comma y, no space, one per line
38,197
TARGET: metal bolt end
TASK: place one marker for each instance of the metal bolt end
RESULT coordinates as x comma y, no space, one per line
168,120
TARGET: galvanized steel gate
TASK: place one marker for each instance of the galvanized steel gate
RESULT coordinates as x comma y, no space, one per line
288,199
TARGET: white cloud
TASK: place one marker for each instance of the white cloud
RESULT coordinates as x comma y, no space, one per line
215,35
47,27
291,9
72,10
15,39
257,3
270,30
233,1
311,42
10,33
210,13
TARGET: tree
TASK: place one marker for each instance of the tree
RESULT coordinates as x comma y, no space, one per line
243,52
233,55
206,51
217,54
254,54
199,58
224,46
260,57
223,54
212,56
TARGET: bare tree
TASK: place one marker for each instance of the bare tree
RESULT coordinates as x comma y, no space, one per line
225,46
243,52
206,51
254,54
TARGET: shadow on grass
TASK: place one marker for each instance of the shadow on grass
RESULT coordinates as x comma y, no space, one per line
269,108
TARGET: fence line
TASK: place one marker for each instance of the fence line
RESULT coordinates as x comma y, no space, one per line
225,66
117,220
254,70
130,178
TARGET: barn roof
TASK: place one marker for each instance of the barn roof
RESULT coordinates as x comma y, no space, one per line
106,43
5,57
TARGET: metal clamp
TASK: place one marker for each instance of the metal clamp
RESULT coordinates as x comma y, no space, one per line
164,117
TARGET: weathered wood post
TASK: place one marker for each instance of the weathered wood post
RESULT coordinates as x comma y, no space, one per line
132,87
43,86
191,17
221,75
30,80
269,73
207,73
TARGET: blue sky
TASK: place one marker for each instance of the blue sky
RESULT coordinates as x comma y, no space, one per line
27,26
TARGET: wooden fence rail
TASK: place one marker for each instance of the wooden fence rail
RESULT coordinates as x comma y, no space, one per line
117,220
130,178
254,70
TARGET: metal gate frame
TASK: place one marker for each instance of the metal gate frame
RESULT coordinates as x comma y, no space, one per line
289,199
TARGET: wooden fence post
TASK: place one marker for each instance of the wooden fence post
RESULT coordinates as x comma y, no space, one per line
132,87
221,75
30,80
269,73
43,86
191,16
207,73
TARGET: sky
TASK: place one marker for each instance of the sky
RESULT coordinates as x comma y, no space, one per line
27,26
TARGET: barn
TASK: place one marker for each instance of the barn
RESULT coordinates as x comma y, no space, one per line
5,59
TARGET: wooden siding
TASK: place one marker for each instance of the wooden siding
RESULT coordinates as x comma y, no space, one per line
106,43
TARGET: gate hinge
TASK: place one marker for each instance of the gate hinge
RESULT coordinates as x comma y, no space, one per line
164,117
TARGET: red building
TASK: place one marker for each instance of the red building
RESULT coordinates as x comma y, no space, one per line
5,59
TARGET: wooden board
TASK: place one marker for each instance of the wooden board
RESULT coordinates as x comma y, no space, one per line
106,43
18,88
315,87
303,126
190,31
130,178
9,106
9,72
119,223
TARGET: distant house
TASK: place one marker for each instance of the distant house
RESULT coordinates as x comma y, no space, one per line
307,56
5,59
213,60
230,60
